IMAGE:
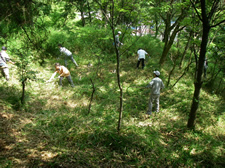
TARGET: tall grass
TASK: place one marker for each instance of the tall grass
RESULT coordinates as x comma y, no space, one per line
54,128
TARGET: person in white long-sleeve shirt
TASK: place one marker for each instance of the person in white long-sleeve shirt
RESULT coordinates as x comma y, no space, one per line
156,85
67,54
4,59
141,57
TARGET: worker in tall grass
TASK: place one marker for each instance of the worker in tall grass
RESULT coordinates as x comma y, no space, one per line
4,59
117,38
67,54
141,57
156,85
64,72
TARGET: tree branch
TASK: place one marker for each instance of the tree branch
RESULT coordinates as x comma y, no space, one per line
213,9
193,5
217,24
93,91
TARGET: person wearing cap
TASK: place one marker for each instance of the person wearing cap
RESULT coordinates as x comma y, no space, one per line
141,57
68,55
117,38
64,72
4,59
156,85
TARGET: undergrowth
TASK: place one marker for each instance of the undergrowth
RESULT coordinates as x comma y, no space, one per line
54,128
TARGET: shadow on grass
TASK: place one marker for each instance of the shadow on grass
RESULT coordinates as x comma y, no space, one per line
7,139
73,143
72,139
11,95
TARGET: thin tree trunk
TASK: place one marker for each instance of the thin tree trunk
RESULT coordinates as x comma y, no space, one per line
168,45
92,95
185,70
198,79
23,91
171,72
117,71
156,26
220,84
185,50
82,17
89,11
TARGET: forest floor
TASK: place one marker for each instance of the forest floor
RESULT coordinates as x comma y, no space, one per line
54,128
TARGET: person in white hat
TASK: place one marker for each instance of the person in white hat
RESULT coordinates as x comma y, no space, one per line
117,38
156,85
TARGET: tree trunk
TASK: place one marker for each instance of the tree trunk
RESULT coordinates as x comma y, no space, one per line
89,12
156,26
171,72
82,17
121,92
117,70
168,45
198,78
104,9
92,95
185,50
23,91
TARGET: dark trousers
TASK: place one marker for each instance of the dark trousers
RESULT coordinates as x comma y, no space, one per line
143,63
68,78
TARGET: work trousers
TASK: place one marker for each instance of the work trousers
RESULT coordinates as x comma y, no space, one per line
68,78
143,63
72,59
154,98
5,72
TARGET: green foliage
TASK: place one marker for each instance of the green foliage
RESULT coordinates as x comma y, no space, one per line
55,130
56,123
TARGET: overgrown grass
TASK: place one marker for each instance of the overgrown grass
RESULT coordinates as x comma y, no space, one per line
54,129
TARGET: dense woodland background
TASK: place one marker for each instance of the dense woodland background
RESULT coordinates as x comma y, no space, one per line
102,122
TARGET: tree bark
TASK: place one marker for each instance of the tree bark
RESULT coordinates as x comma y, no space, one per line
92,95
82,17
23,91
118,69
168,45
156,26
185,50
89,12
198,78
171,71
168,39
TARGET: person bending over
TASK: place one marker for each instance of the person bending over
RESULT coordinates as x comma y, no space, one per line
64,72
67,54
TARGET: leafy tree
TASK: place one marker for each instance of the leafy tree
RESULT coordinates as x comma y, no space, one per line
25,71
215,56
211,15
111,22
172,13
